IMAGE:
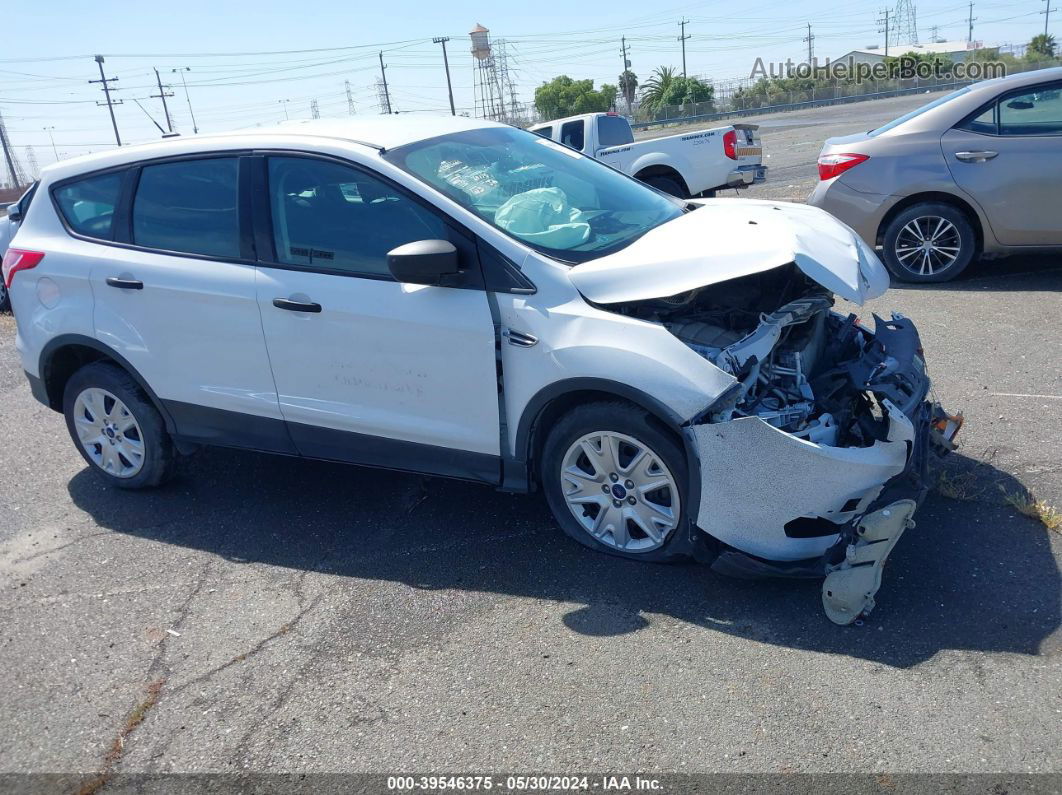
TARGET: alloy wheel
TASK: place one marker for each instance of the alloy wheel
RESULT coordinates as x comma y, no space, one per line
928,245
109,433
620,491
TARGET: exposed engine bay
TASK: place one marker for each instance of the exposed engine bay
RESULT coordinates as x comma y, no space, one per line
800,367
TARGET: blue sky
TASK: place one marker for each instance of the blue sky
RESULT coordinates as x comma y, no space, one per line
252,62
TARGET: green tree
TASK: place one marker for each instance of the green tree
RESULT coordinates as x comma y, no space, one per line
1041,48
657,86
563,96
666,88
628,85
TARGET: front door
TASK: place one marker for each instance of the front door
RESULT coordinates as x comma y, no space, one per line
367,369
1009,159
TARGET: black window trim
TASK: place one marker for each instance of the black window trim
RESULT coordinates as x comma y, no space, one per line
121,228
994,103
263,217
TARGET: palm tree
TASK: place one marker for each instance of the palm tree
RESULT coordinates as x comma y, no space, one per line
1041,46
628,84
656,87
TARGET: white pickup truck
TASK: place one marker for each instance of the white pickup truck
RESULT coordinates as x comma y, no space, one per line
684,165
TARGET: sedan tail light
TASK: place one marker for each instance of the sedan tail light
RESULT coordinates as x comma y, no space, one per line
730,144
17,259
832,165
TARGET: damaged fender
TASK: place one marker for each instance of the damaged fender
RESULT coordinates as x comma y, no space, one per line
755,478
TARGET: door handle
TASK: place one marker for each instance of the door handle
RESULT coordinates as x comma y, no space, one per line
975,157
296,306
125,284
520,339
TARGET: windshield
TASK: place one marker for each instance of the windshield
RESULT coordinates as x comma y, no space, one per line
538,191
936,103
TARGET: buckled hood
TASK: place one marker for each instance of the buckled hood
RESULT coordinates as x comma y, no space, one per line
728,238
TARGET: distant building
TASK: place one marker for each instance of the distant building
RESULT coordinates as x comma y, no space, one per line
956,51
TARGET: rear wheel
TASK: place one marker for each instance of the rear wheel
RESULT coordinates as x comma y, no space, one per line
929,242
116,428
615,482
5,300
667,185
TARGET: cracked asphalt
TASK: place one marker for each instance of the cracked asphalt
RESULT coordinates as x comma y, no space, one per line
304,616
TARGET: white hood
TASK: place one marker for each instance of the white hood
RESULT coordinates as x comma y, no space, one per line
728,238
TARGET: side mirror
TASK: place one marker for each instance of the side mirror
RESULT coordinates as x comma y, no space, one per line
1020,104
423,262
14,212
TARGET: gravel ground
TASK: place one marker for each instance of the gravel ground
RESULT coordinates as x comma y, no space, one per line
270,614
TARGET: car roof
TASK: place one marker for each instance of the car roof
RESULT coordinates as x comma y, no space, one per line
375,132
1017,80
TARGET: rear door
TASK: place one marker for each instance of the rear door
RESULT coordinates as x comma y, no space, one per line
176,296
370,370
1008,157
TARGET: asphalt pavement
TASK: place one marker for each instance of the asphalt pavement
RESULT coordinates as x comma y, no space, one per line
271,614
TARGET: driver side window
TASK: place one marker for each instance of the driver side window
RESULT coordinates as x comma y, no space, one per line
327,216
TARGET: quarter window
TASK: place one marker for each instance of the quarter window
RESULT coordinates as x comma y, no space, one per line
189,207
545,132
88,204
572,134
332,217
1037,112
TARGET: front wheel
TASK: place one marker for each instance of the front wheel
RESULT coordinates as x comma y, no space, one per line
116,428
615,482
929,242
667,185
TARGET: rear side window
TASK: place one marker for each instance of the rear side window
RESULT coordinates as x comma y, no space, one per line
545,132
613,131
88,204
572,134
1036,112
984,122
188,207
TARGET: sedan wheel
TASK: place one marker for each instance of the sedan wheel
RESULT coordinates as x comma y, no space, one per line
928,245
109,433
620,491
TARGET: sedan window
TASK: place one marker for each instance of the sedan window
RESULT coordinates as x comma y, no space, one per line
1036,112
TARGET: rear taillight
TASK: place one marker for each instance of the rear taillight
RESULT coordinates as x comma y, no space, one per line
730,144
832,165
18,259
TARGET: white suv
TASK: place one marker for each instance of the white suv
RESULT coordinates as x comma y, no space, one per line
461,298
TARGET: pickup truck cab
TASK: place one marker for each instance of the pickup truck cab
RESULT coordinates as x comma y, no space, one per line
684,165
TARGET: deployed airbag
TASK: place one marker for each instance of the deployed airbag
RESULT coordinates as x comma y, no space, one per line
543,216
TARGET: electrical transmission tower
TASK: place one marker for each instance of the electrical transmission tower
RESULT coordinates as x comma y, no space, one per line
381,96
350,98
905,23
31,162
18,179
315,111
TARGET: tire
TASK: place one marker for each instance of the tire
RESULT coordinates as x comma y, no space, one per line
667,185
125,433
5,298
624,512
945,227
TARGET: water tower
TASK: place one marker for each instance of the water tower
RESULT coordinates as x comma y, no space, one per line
490,102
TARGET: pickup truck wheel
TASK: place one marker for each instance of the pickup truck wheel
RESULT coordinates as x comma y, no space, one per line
615,482
667,185
928,242
116,428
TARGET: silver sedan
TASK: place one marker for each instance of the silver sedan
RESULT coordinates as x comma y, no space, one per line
974,172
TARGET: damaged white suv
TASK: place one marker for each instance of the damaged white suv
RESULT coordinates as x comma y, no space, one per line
460,298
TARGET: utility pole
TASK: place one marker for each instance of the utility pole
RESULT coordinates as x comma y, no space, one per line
810,39
284,105
969,34
162,95
446,63
885,21
1047,15
51,138
350,98
624,51
187,96
383,76
106,81
682,37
